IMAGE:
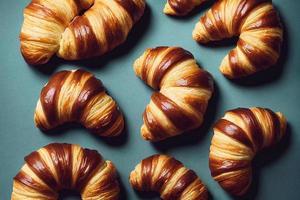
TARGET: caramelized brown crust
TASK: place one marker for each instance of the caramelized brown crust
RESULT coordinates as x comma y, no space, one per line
258,26
238,136
58,27
56,167
78,96
168,177
181,7
185,90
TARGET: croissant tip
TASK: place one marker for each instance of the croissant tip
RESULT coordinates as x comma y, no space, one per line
131,176
168,10
145,136
283,122
33,59
226,71
198,38
195,36
229,76
136,66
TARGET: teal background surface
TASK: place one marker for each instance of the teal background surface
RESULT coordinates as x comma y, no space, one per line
277,171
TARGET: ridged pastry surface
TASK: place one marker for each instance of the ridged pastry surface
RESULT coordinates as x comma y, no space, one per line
78,96
169,177
76,29
181,7
258,26
238,137
57,167
184,92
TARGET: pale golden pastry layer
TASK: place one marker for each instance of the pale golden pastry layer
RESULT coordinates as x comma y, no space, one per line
181,7
169,177
258,26
78,96
57,167
238,137
184,92
76,29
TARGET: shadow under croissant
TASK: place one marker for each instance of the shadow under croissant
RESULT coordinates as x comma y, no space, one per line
123,193
264,77
71,194
135,36
265,158
146,195
119,140
273,73
194,136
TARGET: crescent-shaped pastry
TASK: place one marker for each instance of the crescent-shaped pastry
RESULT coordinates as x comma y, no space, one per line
76,29
184,92
238,137
168,177
258,26
181,7
57,167
78,96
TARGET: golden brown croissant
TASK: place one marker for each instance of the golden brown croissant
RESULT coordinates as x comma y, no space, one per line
57,167
185,90
78,96
258,26
58,27
181,7
238,136
168,177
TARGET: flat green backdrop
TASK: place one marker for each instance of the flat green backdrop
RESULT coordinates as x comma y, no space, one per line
277,171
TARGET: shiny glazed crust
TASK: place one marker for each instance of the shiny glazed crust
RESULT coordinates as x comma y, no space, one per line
185,90
56,167
181,7
168,177
238,137
78,96
58,27
258,26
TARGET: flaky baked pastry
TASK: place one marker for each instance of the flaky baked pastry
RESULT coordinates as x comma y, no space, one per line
57,167
258,26
181,7
185,90
78,96
168,177
76,29
238,137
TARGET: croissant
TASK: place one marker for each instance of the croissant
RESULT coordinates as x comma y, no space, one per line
168,177
185,90
76,29
77,96
181,7
238,137
57,167
258,26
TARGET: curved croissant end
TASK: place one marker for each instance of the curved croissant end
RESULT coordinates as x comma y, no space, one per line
258,26
168,177
238,136
185,90
77,96
57,27
181,7
57,167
